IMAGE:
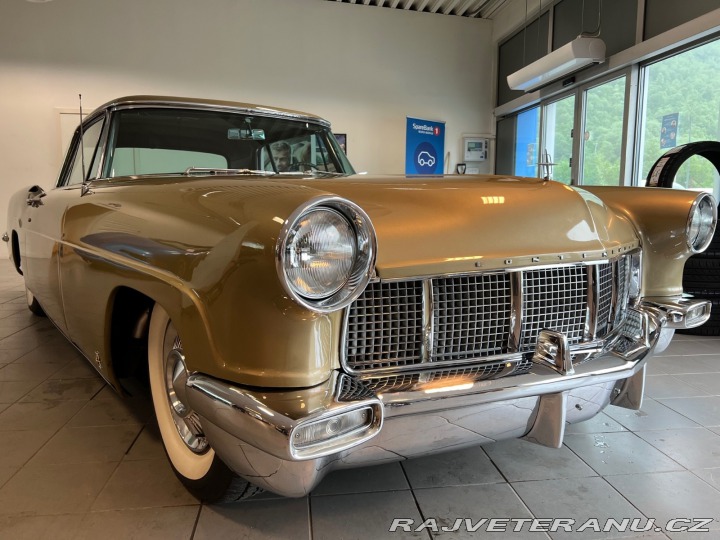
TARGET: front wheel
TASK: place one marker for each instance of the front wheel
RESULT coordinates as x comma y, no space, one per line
192,459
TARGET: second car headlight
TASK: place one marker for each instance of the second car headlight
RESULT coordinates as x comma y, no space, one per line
701,222
326,253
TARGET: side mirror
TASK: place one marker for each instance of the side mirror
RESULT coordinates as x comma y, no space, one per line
34,196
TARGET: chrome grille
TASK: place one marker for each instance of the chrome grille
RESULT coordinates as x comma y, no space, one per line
417,323
385,326
622,269
554,298
605,287
399,383
471,316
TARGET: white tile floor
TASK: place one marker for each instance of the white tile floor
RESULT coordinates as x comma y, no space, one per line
78,462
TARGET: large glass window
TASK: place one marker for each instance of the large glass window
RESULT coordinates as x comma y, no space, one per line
682,105
559,118
527,140
602,139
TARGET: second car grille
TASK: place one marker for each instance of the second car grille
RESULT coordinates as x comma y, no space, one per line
419,323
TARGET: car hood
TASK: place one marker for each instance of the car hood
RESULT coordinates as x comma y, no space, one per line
424,225
427,226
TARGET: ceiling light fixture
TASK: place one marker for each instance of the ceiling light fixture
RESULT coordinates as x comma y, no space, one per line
571,57
585,50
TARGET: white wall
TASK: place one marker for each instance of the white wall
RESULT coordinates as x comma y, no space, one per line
363,68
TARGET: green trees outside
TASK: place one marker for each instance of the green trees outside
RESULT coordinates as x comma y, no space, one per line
686,84
603,133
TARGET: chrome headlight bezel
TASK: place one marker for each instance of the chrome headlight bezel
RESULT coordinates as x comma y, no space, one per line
699,241
361,268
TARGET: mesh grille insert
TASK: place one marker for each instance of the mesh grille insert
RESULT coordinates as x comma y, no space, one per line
554,298
385,326
605,286
471,316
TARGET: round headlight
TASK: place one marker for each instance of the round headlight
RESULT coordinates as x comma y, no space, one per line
701,222
319,253
326,253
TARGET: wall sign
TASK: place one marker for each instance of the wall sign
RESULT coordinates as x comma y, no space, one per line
669,130
424,147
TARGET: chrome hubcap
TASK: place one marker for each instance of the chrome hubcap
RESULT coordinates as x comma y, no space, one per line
186,420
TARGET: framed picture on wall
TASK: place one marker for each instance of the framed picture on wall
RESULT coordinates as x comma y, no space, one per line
342,141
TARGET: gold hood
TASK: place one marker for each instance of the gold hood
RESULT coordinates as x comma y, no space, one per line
434,225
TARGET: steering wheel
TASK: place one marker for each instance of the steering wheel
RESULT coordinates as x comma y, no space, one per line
303,166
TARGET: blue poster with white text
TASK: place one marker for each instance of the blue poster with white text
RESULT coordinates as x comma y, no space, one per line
424,147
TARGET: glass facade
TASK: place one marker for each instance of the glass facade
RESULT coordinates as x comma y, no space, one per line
602,137
681,104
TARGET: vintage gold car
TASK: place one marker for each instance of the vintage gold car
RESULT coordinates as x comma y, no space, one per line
295,317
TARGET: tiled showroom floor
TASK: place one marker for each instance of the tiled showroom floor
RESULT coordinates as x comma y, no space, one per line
77,461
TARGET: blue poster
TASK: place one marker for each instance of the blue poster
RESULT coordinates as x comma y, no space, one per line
424,147
526,143
669,130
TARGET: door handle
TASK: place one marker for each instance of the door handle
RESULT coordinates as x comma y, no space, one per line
35,194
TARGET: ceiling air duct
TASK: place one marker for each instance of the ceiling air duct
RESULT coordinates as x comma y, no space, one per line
574,56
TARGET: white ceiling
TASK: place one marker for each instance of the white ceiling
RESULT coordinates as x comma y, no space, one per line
482,9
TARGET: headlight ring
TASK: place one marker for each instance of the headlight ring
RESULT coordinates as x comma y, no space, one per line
701,223
325,253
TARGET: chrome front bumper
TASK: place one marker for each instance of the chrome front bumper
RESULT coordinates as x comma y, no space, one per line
253,430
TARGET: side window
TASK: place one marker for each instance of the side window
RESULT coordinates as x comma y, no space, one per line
91,136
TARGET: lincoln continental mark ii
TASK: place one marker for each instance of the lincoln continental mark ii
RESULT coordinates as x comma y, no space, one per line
292,317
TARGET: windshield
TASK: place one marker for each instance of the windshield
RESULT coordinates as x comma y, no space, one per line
172,141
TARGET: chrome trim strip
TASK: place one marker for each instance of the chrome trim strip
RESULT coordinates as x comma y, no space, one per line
428,310
516,309
102,147
593,294
266,112
604,260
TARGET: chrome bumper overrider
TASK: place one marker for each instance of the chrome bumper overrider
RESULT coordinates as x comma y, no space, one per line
254,431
